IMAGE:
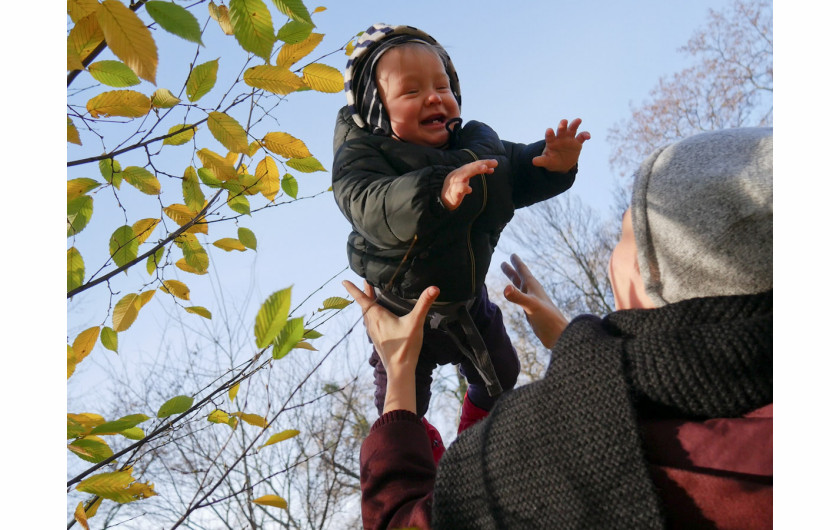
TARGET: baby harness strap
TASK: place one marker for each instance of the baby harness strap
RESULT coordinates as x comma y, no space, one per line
452,318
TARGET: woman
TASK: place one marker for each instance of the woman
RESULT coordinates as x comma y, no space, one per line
658,415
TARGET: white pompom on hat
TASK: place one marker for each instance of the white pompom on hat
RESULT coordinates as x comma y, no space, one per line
703,216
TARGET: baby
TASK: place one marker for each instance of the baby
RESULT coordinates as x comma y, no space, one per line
428,199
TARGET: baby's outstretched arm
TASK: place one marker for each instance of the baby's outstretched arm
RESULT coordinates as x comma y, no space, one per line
563,147
456,186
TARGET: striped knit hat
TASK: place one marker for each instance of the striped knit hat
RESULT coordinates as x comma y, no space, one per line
363,98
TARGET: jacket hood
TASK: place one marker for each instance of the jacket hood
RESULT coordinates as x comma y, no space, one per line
363,100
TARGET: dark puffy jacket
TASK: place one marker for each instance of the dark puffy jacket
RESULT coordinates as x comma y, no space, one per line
390,190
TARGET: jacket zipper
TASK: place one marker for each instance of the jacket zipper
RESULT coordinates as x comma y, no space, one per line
469,230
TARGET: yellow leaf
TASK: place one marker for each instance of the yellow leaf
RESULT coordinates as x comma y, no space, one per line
268,178
276,79
229,243
78,187
78,9
144,298
221,168
228,132
182,214
72,133
193,196
335,302
198,310
125,103
164,99
271,500
286,145
71,361
218,416
303,345
84,343
184,266
144,228
129,38
319,9
184,134
323,78
125,312
233,391
84,37
91,510
176,288
252,419
88,420
280,436
81,516
291,53
117,486
221,15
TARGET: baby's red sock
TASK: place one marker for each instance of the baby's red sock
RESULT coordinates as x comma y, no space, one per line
470,414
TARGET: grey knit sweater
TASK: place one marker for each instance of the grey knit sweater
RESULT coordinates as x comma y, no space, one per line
565,452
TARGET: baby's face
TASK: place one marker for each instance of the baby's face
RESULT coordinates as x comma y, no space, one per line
415,91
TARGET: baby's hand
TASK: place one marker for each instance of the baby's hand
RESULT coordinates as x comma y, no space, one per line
562,148
456,186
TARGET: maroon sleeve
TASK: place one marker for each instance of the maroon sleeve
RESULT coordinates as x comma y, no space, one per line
397,473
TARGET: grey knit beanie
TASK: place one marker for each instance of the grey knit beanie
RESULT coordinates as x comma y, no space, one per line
703,216
363,97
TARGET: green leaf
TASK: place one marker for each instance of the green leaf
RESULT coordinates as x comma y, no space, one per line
193,196
312,334
295,10
108,338
163,98
272,316
123,245
75,269
289,185
91,450
198,310
280,436
182,137
142,179
209,178
228,132
194,254
239,204
134,433
306,165
175,405
247,238
113,73
154,260
175,19
79,212
252,26
117,426
294,31
202,79
111,171
291,335
335,302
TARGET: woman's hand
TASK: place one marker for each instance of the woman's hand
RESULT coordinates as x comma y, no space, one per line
545,318
397,341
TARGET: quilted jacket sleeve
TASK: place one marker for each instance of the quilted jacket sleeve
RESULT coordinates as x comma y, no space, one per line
533,184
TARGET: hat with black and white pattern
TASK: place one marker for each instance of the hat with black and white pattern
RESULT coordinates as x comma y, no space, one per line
363,97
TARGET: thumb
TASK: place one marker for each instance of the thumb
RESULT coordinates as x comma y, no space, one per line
512,294
424,303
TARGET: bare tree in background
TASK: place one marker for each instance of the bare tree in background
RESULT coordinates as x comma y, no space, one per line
729,85
567,244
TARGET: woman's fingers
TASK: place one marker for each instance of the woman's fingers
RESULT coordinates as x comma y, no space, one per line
364,300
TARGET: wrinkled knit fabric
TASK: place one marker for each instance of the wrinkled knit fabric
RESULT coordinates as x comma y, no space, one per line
565,451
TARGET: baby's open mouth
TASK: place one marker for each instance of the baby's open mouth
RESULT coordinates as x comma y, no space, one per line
436,118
